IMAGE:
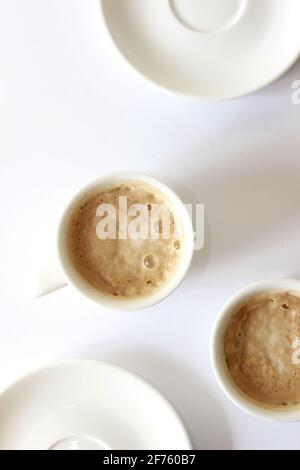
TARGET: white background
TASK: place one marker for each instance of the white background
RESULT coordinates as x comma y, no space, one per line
73,110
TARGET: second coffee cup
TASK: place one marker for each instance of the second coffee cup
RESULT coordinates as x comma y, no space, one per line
255,349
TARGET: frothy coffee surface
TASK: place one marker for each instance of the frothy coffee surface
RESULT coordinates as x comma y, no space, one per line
124,267
259,348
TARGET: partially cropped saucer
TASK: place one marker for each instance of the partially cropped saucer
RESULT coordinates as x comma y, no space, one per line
213,49
87,405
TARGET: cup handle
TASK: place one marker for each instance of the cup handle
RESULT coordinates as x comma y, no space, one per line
47,281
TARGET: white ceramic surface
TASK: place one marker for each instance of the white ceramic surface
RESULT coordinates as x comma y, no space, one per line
218,359
213,49
87,405
52,280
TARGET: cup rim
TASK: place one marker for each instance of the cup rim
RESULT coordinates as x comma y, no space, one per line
226,383
76,281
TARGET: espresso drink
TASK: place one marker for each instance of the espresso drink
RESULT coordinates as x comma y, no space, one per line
261,348
125,257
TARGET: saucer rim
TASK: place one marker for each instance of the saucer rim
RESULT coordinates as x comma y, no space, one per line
187,94
186,440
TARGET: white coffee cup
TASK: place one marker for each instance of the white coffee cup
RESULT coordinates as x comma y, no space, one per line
66,273
233,392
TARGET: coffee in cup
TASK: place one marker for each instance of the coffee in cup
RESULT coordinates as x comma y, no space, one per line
125,240
123,263
261,348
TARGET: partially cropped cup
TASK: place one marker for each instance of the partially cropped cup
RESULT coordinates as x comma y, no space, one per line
134,261
255,349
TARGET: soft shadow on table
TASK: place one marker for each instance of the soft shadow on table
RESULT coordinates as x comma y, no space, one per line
203,417
255,200
283,83
243,206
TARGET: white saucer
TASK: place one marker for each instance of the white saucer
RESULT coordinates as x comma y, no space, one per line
214,49
87,405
